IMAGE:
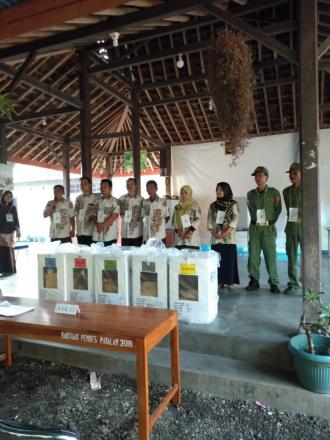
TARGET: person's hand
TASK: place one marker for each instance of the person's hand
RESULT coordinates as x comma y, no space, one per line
72,233
18,235
187,235
181,234
99,227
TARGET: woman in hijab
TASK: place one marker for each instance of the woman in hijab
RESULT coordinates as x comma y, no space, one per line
8,225
222,221
186,220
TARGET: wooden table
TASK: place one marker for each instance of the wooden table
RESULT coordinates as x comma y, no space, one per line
116,328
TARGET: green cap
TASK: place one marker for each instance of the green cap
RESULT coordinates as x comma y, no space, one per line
295,166
260,169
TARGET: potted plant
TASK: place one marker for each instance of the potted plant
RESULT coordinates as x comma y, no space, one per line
311,349
7,105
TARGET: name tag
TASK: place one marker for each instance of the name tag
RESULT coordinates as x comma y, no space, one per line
57,218
293,215
261,216
220,217
9,218
67,309
128,216
185,219
100,216
81,215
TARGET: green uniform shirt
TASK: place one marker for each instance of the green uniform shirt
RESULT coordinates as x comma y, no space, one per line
292,199
269,200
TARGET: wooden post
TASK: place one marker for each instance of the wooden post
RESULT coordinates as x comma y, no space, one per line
66,167
109,170
85,115
3,144
136,139
309,140
165,168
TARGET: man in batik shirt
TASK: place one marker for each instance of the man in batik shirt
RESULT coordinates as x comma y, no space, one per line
156,214
84,210
131,211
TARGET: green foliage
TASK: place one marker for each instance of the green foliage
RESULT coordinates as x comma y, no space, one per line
7,105
231,79
322,324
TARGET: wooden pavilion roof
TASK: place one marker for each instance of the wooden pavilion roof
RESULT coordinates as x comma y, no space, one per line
40,67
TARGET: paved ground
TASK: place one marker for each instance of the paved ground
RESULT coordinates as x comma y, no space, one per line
50,395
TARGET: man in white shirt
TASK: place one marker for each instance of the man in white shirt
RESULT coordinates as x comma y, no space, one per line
131,211
61,213
156,214
84,207
105,218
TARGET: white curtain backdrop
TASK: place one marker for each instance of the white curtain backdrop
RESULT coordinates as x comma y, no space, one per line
203,165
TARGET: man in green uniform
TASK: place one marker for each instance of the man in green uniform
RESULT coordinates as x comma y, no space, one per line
292,199
264,204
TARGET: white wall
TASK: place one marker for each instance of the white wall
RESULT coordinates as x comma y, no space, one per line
202,166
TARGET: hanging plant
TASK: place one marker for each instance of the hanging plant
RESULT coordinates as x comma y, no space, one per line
231,81
7,105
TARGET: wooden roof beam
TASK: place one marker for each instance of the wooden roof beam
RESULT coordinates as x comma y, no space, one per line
41,86
253,32
107,88
21,71
190,97
44,114
323,48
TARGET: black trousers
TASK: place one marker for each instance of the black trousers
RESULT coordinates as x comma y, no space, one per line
132,241
62,240
228,271
85,239
186,247
106,243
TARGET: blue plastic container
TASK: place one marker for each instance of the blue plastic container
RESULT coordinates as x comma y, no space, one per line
313,370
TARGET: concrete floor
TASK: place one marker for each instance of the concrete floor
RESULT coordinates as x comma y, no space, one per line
260,314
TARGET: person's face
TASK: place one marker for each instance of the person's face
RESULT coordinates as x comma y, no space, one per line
219,192
152,191
58,193
183,195
85,186
261,179
131,187
8,197
295,177
105,190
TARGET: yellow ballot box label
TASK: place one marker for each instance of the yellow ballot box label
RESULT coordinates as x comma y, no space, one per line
187,269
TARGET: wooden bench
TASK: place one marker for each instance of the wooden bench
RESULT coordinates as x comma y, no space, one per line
116,328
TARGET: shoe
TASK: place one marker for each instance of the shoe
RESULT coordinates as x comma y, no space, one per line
274,288
231,286
290,291
253,285
221,286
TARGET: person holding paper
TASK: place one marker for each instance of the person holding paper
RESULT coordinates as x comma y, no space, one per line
264,204
156,214
292,199
84,207
186,220
132,213
9,225
222,219
105,217
61,214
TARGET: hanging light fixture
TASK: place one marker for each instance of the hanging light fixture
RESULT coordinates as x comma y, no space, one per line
210,105
179,61
115,36
43,121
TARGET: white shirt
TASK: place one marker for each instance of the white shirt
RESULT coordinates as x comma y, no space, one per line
84,208
155,212
60,226
107,207
132,213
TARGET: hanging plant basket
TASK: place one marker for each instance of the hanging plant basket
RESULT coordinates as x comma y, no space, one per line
231,80
7,105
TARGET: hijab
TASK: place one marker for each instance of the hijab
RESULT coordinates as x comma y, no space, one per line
183,207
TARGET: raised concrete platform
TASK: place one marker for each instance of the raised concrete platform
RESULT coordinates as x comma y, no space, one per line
242,354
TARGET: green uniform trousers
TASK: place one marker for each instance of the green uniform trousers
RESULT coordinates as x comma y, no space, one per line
262,238
291,247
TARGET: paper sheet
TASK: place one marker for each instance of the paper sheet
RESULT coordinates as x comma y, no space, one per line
10,310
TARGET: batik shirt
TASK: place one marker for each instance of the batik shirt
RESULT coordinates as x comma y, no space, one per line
195,219
132,213
230,220
154,221
105,208
60,226
84,208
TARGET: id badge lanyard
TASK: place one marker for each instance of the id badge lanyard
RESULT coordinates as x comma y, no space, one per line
293,210
261,212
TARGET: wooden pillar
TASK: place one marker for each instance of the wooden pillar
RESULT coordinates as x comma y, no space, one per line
66,167
3,144
309,140
85,115
136,138
109,170
165,168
